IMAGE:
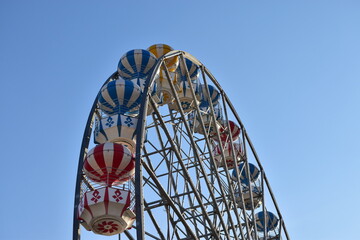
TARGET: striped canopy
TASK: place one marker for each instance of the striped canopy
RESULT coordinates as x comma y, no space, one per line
230,161
217,111
191,67
160,50
225,132
137,63
228,150
109,164
267,218
205,99
119,96
185,90
254,173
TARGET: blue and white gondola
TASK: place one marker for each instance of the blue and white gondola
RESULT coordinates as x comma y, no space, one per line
187,101
210,123
254,173
119,97
266,218
257,197
117,128
191,67
154,90
205,98
137,63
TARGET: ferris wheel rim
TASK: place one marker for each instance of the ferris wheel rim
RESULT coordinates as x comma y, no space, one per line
140,138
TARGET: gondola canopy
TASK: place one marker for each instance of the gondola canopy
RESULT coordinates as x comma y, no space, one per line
109,164
137,63
267,219
119,97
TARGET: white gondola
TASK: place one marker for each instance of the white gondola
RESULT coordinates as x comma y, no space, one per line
117,129
225,131
267,219
106,211
253,170
187,101
229,159
206,98
155,93
167,95
210,123
191,68
256,194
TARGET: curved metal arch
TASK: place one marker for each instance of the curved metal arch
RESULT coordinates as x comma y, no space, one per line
83,152
246,136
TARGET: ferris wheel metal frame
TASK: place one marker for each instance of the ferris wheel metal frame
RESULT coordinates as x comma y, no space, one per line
243,225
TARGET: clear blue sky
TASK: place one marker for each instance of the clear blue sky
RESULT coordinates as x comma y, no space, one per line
291,69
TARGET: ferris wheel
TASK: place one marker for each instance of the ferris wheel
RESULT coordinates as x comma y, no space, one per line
165,156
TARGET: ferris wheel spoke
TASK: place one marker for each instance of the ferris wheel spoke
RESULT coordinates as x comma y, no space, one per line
186,175
128,235
149,234
156,225
203,127
171,181
168,162
168,199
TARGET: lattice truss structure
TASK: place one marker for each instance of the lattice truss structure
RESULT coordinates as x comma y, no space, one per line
197,174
